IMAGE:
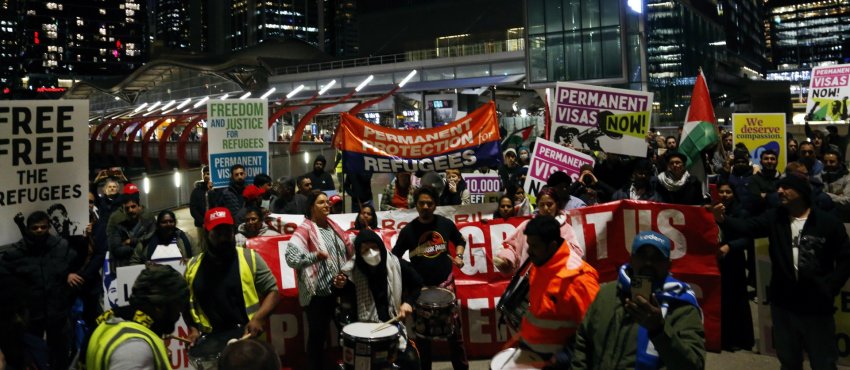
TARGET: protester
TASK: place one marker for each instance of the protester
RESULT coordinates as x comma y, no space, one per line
624,329
763,185
561,287
90,255
455,192
810,262
383,287
198,207
253,196
398,194
231,196
44,261
736,320
792,151
524,156
367,218
820,200
359,186
230,287
505,208
335,202
288,201
305,186
522,205
320,179
135,227
676,185
640,187
590,189
836,179
167,242
251,354
509,167
515,250
808,157
132,338
671,143
740,176
317,251
427,239
721,156
560,182
18,348
253,227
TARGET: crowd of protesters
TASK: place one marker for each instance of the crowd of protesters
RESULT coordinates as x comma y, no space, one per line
800,211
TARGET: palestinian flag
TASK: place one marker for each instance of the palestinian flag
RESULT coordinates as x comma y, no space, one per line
700,129
519,136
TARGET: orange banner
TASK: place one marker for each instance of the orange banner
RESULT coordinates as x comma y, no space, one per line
471,141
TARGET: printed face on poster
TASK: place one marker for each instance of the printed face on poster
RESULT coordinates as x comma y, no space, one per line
829,91
761,132
601,119
548,158
42,144
238,134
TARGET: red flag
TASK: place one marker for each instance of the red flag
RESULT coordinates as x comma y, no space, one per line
701,108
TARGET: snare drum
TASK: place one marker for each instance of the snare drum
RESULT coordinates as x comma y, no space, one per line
516,359
514,301
363,349
206,351
435,314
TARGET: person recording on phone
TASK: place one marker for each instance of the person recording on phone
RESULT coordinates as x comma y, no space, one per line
646,319
589,188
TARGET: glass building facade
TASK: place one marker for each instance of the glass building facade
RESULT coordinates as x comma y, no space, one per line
804,34
594,41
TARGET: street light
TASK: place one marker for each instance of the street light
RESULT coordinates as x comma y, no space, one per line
364,83
296,91
327,87
266,95
406,79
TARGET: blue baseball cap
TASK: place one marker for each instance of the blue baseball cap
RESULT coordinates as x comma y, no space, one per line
655,239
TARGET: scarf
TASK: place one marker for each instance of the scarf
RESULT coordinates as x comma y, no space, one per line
672,291
833,176
306,238
366,308
670,184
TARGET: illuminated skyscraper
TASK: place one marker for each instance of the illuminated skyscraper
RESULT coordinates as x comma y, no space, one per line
803,34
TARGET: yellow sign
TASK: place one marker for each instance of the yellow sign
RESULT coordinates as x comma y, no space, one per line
761,132
632,124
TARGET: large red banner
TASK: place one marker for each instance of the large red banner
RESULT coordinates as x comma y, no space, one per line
605,231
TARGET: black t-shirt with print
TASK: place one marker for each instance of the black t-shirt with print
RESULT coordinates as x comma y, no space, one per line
434,263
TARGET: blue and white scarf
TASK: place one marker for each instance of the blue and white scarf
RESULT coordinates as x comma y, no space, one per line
673,290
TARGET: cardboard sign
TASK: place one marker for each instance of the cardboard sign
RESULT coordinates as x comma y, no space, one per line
601,118
548,158
829,91
760,132
40,141
238,134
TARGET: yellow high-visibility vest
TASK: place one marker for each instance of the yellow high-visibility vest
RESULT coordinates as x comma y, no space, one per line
247,269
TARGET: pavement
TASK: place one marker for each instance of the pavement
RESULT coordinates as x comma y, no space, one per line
740,360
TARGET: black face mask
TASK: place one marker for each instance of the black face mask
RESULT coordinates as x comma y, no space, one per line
741,170
641,182
808,162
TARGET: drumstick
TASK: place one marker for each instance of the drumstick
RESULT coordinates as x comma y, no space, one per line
386,324
234,340
184,340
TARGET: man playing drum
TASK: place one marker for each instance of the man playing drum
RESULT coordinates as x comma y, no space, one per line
132,337
229,287
427,240
561,288
384,287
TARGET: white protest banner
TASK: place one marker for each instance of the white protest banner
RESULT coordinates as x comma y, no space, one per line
828,93
479,185
43,144
601,118
238,134
549,158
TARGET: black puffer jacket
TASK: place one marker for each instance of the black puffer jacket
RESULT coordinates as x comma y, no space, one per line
45,267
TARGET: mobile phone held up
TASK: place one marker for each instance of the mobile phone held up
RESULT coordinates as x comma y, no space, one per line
641,286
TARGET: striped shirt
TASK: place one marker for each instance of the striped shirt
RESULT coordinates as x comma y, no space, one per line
329,268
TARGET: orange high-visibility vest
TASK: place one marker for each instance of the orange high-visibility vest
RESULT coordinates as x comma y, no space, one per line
560,293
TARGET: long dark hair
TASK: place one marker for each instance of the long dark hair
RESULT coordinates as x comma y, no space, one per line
311,200
358,222
507,196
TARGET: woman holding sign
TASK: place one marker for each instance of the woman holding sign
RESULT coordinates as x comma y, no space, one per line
515,250
167,243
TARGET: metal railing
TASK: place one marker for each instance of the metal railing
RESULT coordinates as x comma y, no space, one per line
489,47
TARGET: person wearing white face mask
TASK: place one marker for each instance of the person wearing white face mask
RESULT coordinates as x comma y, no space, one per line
383,287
